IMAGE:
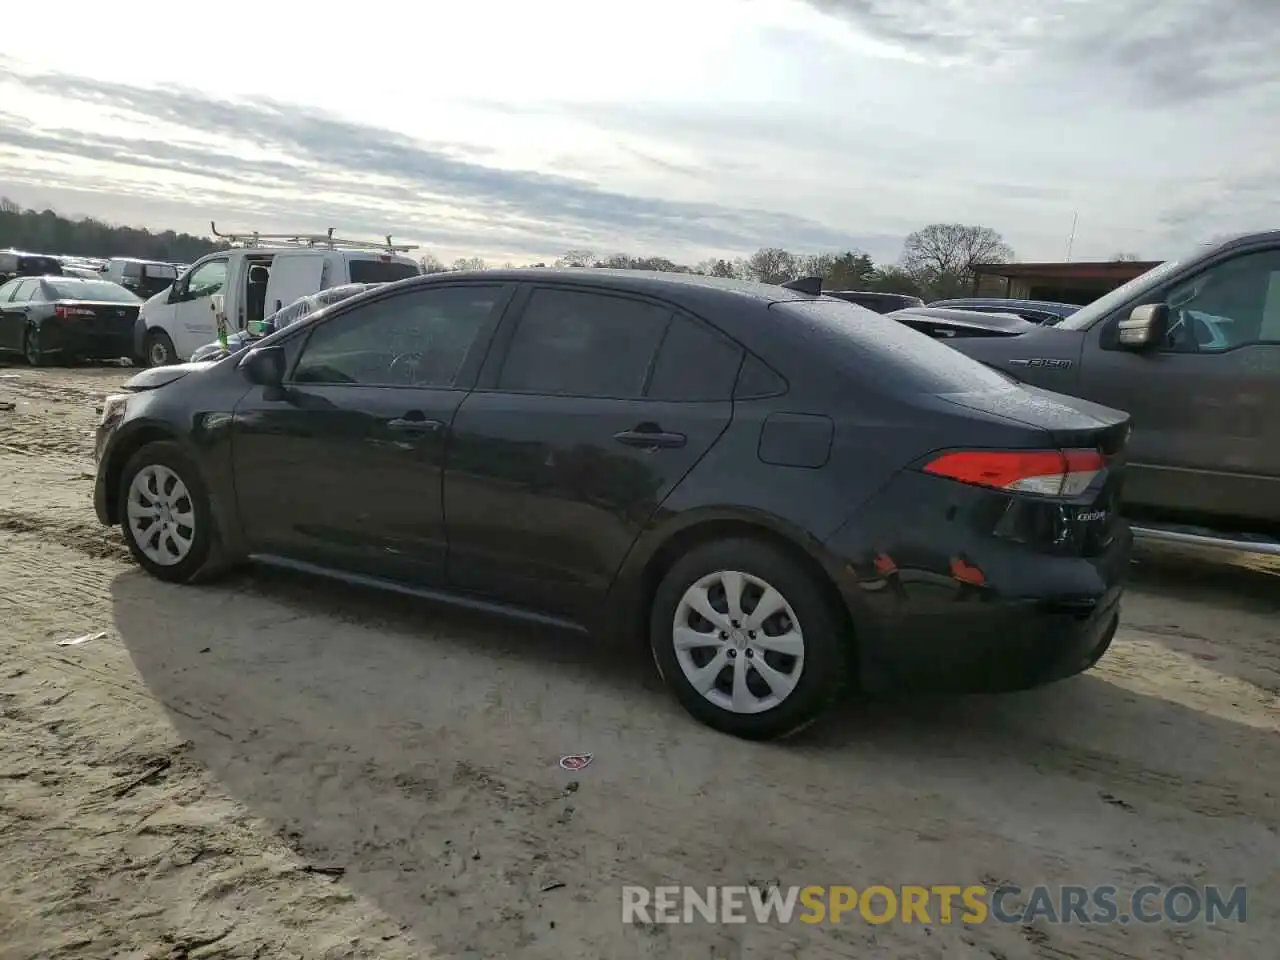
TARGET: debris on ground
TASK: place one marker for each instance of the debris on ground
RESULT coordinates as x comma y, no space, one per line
76,641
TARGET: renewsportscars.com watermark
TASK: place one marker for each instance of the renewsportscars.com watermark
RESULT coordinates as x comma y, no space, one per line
935,904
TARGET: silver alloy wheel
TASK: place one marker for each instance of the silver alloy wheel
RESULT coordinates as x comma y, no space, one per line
738,642
159,353
161,516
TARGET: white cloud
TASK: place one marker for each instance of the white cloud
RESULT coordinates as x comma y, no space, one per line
684,129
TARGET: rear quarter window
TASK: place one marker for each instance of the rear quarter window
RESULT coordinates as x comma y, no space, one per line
694,364
906,360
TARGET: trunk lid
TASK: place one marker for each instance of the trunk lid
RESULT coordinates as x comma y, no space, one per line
99,317
1070,422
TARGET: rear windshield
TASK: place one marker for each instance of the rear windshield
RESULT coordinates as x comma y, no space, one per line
378,271
910,360
159,271
100,290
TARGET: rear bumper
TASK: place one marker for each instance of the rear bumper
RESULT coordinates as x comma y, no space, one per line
1033,618
74,338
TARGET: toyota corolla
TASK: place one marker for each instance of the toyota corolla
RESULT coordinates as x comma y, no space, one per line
780,493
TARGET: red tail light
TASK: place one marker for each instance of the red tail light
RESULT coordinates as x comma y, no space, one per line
1050,473
63,312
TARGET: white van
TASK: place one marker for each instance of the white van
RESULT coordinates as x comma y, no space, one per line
255,279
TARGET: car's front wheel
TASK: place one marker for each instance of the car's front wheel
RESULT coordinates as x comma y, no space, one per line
747,639
165,513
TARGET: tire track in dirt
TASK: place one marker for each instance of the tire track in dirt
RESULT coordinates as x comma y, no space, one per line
85,536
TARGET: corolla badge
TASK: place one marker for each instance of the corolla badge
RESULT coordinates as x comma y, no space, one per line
1088,516
1046,363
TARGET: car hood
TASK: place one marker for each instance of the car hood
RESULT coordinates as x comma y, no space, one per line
160,376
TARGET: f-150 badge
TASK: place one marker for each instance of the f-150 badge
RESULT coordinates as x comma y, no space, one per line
1047,363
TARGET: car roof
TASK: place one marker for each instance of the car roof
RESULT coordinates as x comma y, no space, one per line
654,282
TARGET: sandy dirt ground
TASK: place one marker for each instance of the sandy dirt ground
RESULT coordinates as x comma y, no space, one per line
271,767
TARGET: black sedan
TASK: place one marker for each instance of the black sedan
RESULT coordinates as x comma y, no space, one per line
64,318
783,494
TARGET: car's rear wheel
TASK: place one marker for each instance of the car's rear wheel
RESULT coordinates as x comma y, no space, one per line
165,513
159,350
747,639
31,347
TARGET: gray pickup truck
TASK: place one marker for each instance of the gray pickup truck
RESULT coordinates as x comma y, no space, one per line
1191,349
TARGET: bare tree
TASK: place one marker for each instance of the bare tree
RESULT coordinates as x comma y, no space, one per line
772,265
577,258
470,263
615,261
1125,257
716,267
432,264
817,265
941,256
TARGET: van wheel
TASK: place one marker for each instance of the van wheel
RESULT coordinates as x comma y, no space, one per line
747,641
159,350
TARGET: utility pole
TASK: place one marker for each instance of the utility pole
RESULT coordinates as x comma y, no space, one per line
1071,241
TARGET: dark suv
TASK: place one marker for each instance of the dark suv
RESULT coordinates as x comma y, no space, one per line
781,497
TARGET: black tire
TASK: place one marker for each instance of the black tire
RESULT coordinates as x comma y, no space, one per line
31,347
159,350
202,558
827,648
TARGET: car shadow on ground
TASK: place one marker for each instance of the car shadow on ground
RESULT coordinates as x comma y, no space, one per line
417,748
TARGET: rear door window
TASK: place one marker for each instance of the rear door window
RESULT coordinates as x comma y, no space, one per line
583,344
159,271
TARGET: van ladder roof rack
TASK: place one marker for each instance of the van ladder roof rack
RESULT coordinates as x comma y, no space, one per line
325,241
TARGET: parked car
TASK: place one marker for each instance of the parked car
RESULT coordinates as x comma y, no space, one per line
254,280
1192,350
146,278
84,273
942,323
15,263
300,309
781,492
66,318
876,302
1037,311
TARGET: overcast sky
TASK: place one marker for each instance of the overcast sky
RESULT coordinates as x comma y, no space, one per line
514,130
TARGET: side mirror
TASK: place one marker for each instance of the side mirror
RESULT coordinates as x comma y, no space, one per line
264,366
1145,327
